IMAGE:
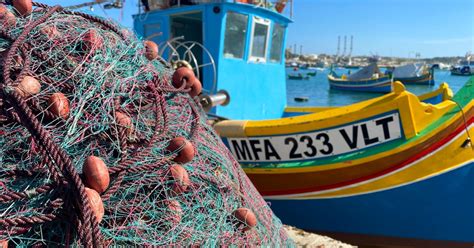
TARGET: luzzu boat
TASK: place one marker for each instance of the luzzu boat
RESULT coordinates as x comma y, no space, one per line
312,73
368,79
414,73
298,76
388,167
465,66
397,165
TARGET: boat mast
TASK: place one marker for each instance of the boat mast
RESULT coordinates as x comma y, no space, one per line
345,45
350,52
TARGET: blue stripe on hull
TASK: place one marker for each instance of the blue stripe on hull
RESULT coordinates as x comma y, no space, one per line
439,208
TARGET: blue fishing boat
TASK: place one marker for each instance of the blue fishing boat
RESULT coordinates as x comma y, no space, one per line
244,42
364,169
465,67
367,79
298,76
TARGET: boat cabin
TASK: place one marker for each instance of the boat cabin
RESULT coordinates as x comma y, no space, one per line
246,42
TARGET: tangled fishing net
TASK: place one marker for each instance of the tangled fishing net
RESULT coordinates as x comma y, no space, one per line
98,147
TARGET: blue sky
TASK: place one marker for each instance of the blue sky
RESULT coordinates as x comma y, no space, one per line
384,27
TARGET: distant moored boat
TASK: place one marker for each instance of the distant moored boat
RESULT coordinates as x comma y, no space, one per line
368,79
465,66
414,73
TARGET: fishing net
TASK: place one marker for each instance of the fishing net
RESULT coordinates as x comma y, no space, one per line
78,91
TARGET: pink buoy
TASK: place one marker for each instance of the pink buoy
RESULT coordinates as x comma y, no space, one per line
7,17
28,86
151,50
196,88
23,7
96,204
96,174
183,147
59,105
183,75
50,31
175,212
124,121
180,178
92,40
245,217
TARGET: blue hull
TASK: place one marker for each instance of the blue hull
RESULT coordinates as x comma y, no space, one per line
439,208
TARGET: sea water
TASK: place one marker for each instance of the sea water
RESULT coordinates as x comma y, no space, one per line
317,90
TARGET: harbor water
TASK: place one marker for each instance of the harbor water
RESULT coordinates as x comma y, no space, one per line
316,89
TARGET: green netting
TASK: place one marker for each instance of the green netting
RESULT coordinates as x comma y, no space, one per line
102,71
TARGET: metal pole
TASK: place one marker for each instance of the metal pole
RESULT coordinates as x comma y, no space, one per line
291,9
345,45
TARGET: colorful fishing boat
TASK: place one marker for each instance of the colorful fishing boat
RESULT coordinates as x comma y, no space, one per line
392,166
298,76
368,79
381,167
232,46
414,73
465,67
312,73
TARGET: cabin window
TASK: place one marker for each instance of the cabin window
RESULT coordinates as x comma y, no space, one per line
235,35
259,40
276,49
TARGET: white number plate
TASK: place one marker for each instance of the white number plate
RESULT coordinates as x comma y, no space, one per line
319,143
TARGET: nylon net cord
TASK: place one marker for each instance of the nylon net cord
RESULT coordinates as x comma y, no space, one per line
101,101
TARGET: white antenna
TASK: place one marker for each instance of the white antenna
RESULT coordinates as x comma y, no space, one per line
338,45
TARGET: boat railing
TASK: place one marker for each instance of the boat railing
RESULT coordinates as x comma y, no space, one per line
275,5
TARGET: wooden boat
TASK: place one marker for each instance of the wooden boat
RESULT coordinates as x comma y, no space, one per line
368,79
414,74
396,165
392,166
465,67
298,76
312,74
462,71
351,66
